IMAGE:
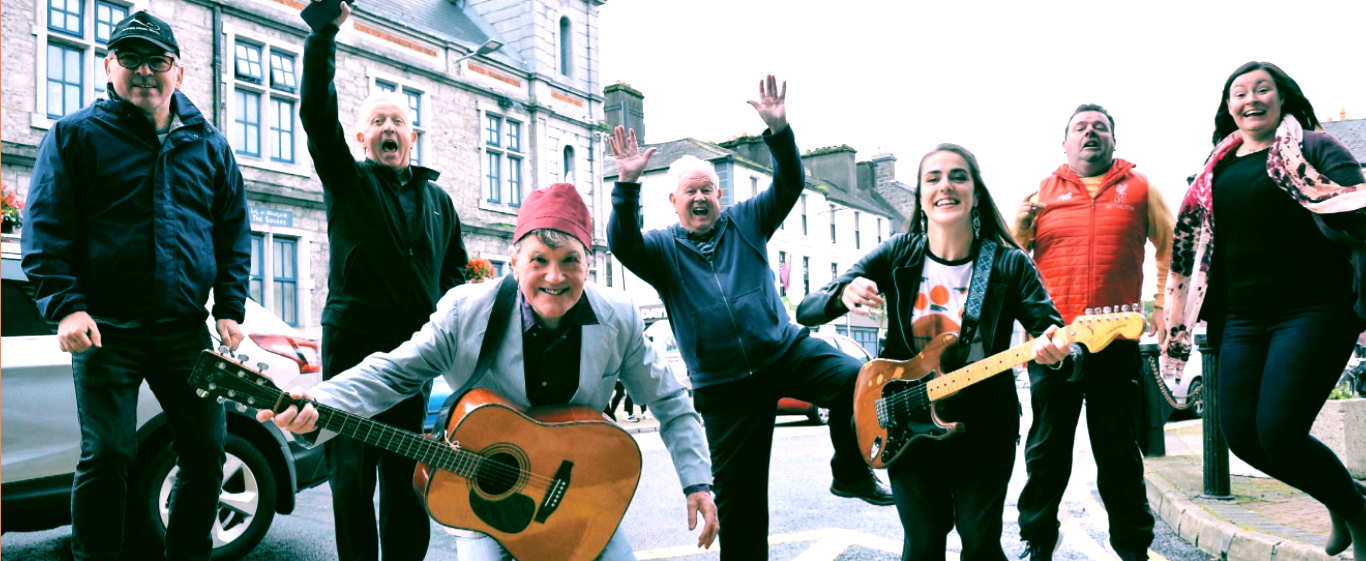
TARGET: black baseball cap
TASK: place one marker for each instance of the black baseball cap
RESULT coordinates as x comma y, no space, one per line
147,27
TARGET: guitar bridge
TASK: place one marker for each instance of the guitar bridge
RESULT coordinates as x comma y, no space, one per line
555,494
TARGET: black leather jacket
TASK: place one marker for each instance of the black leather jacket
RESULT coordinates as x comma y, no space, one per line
1014,293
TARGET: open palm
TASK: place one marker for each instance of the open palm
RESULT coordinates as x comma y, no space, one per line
631,162
772,105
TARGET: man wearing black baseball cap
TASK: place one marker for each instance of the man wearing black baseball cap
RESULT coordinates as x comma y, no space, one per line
137,211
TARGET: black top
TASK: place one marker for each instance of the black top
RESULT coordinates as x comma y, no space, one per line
551,357
1268,251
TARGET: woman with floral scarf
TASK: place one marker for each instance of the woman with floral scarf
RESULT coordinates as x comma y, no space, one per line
1276,284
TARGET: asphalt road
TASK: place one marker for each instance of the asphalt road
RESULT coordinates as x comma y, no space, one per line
806,521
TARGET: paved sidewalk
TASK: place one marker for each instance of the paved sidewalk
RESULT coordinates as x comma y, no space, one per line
1266,520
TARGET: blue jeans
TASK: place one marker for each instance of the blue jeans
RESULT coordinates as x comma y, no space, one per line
107,381
475,546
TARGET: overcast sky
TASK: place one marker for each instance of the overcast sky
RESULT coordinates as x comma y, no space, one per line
1000,78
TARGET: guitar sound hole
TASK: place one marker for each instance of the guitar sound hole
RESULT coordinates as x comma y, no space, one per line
498,473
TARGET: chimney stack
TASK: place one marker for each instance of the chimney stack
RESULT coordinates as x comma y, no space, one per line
625,106
1342,114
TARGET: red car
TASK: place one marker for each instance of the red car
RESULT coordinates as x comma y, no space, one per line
821,415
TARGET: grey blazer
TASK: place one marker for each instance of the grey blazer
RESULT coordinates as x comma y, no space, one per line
448,345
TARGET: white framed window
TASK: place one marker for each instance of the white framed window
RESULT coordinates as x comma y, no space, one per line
70,47
263,102
416,99
504,174
279,278
879,230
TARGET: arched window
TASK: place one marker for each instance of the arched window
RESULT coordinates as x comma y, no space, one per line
568,164
566,48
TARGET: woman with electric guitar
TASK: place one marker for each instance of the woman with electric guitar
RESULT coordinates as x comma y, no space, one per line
956,271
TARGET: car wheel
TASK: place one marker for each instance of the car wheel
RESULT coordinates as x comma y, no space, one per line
1198,409
246,505
820,416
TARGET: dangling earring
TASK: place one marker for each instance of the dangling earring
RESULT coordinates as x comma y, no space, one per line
924,222
976,223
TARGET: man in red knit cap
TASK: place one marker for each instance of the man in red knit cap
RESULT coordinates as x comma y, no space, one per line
566,342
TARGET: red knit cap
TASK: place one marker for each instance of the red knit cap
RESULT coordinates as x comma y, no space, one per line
558,207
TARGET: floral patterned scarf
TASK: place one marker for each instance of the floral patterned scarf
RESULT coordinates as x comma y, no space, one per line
1193,243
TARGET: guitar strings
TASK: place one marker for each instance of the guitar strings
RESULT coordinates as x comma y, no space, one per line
440,454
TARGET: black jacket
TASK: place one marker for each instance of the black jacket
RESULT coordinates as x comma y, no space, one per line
125,227
1013,294
381,277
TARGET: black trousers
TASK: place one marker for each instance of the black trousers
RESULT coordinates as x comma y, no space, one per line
1276,369
404,528
739,417
107,379
1110,391
955,483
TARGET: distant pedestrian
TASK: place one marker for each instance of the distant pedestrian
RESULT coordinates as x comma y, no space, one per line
1287,198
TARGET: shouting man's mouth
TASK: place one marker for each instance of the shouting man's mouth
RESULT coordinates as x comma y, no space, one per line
700,211
388,146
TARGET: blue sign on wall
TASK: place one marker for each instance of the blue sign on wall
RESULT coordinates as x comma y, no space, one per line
271,217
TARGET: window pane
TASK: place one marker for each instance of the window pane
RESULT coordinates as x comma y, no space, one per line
282,130
247,122
282,71
493,127
514,181
249,63
414,105
65,17
514,136
415,153
492,183
101,80
385,86
65,80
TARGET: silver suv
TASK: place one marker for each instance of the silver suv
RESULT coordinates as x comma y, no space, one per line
264,471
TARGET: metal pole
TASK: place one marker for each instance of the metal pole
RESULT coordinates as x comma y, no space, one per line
1216,450
1152,437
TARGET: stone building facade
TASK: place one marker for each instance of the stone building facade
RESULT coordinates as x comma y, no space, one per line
496,126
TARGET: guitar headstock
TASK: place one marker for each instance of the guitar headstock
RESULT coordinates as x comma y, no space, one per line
218,376
1101,326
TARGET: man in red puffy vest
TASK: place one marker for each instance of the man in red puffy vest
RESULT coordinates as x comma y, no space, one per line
1087,226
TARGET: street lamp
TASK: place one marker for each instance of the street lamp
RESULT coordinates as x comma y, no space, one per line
485,49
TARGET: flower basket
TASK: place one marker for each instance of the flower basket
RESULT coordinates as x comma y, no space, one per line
11,209
478,270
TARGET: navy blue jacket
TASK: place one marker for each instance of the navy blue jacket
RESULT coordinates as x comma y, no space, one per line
124,227
726,315
384,273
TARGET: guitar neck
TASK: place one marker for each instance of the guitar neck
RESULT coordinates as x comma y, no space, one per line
958,380
432,451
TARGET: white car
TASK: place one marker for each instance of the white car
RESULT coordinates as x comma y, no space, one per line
1186,387
41,442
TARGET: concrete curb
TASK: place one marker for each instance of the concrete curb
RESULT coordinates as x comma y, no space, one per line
1222,539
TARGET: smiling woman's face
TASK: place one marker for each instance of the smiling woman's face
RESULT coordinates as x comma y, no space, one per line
387,135
947,192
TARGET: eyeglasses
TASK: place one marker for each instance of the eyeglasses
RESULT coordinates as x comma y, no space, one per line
157,63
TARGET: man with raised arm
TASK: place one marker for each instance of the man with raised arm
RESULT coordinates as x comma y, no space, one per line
742,352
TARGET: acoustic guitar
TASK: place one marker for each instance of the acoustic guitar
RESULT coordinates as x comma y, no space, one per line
894,400
549,483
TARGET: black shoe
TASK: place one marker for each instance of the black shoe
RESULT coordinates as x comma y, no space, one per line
871,490
1042,550
1127,555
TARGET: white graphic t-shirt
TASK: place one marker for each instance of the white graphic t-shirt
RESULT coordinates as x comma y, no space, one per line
940,304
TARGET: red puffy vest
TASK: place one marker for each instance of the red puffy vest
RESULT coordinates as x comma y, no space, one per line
1090,251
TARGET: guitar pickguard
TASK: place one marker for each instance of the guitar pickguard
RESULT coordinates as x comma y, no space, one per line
493,496
905,416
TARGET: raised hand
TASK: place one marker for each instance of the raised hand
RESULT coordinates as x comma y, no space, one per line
772,105
860,296
631,162
1024,216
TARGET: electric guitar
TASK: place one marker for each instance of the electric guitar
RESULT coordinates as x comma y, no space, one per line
550,483
895,400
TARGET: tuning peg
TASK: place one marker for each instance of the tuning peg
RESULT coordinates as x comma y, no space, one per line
221,400
242,359
201,393
1109,309
241,408
1124,308
262,366
224,350
1087,311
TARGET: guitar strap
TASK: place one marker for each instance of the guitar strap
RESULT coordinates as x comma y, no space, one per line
977,291
493,338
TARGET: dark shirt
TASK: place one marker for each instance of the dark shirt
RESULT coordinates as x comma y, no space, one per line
552,357
1268,252
705,243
